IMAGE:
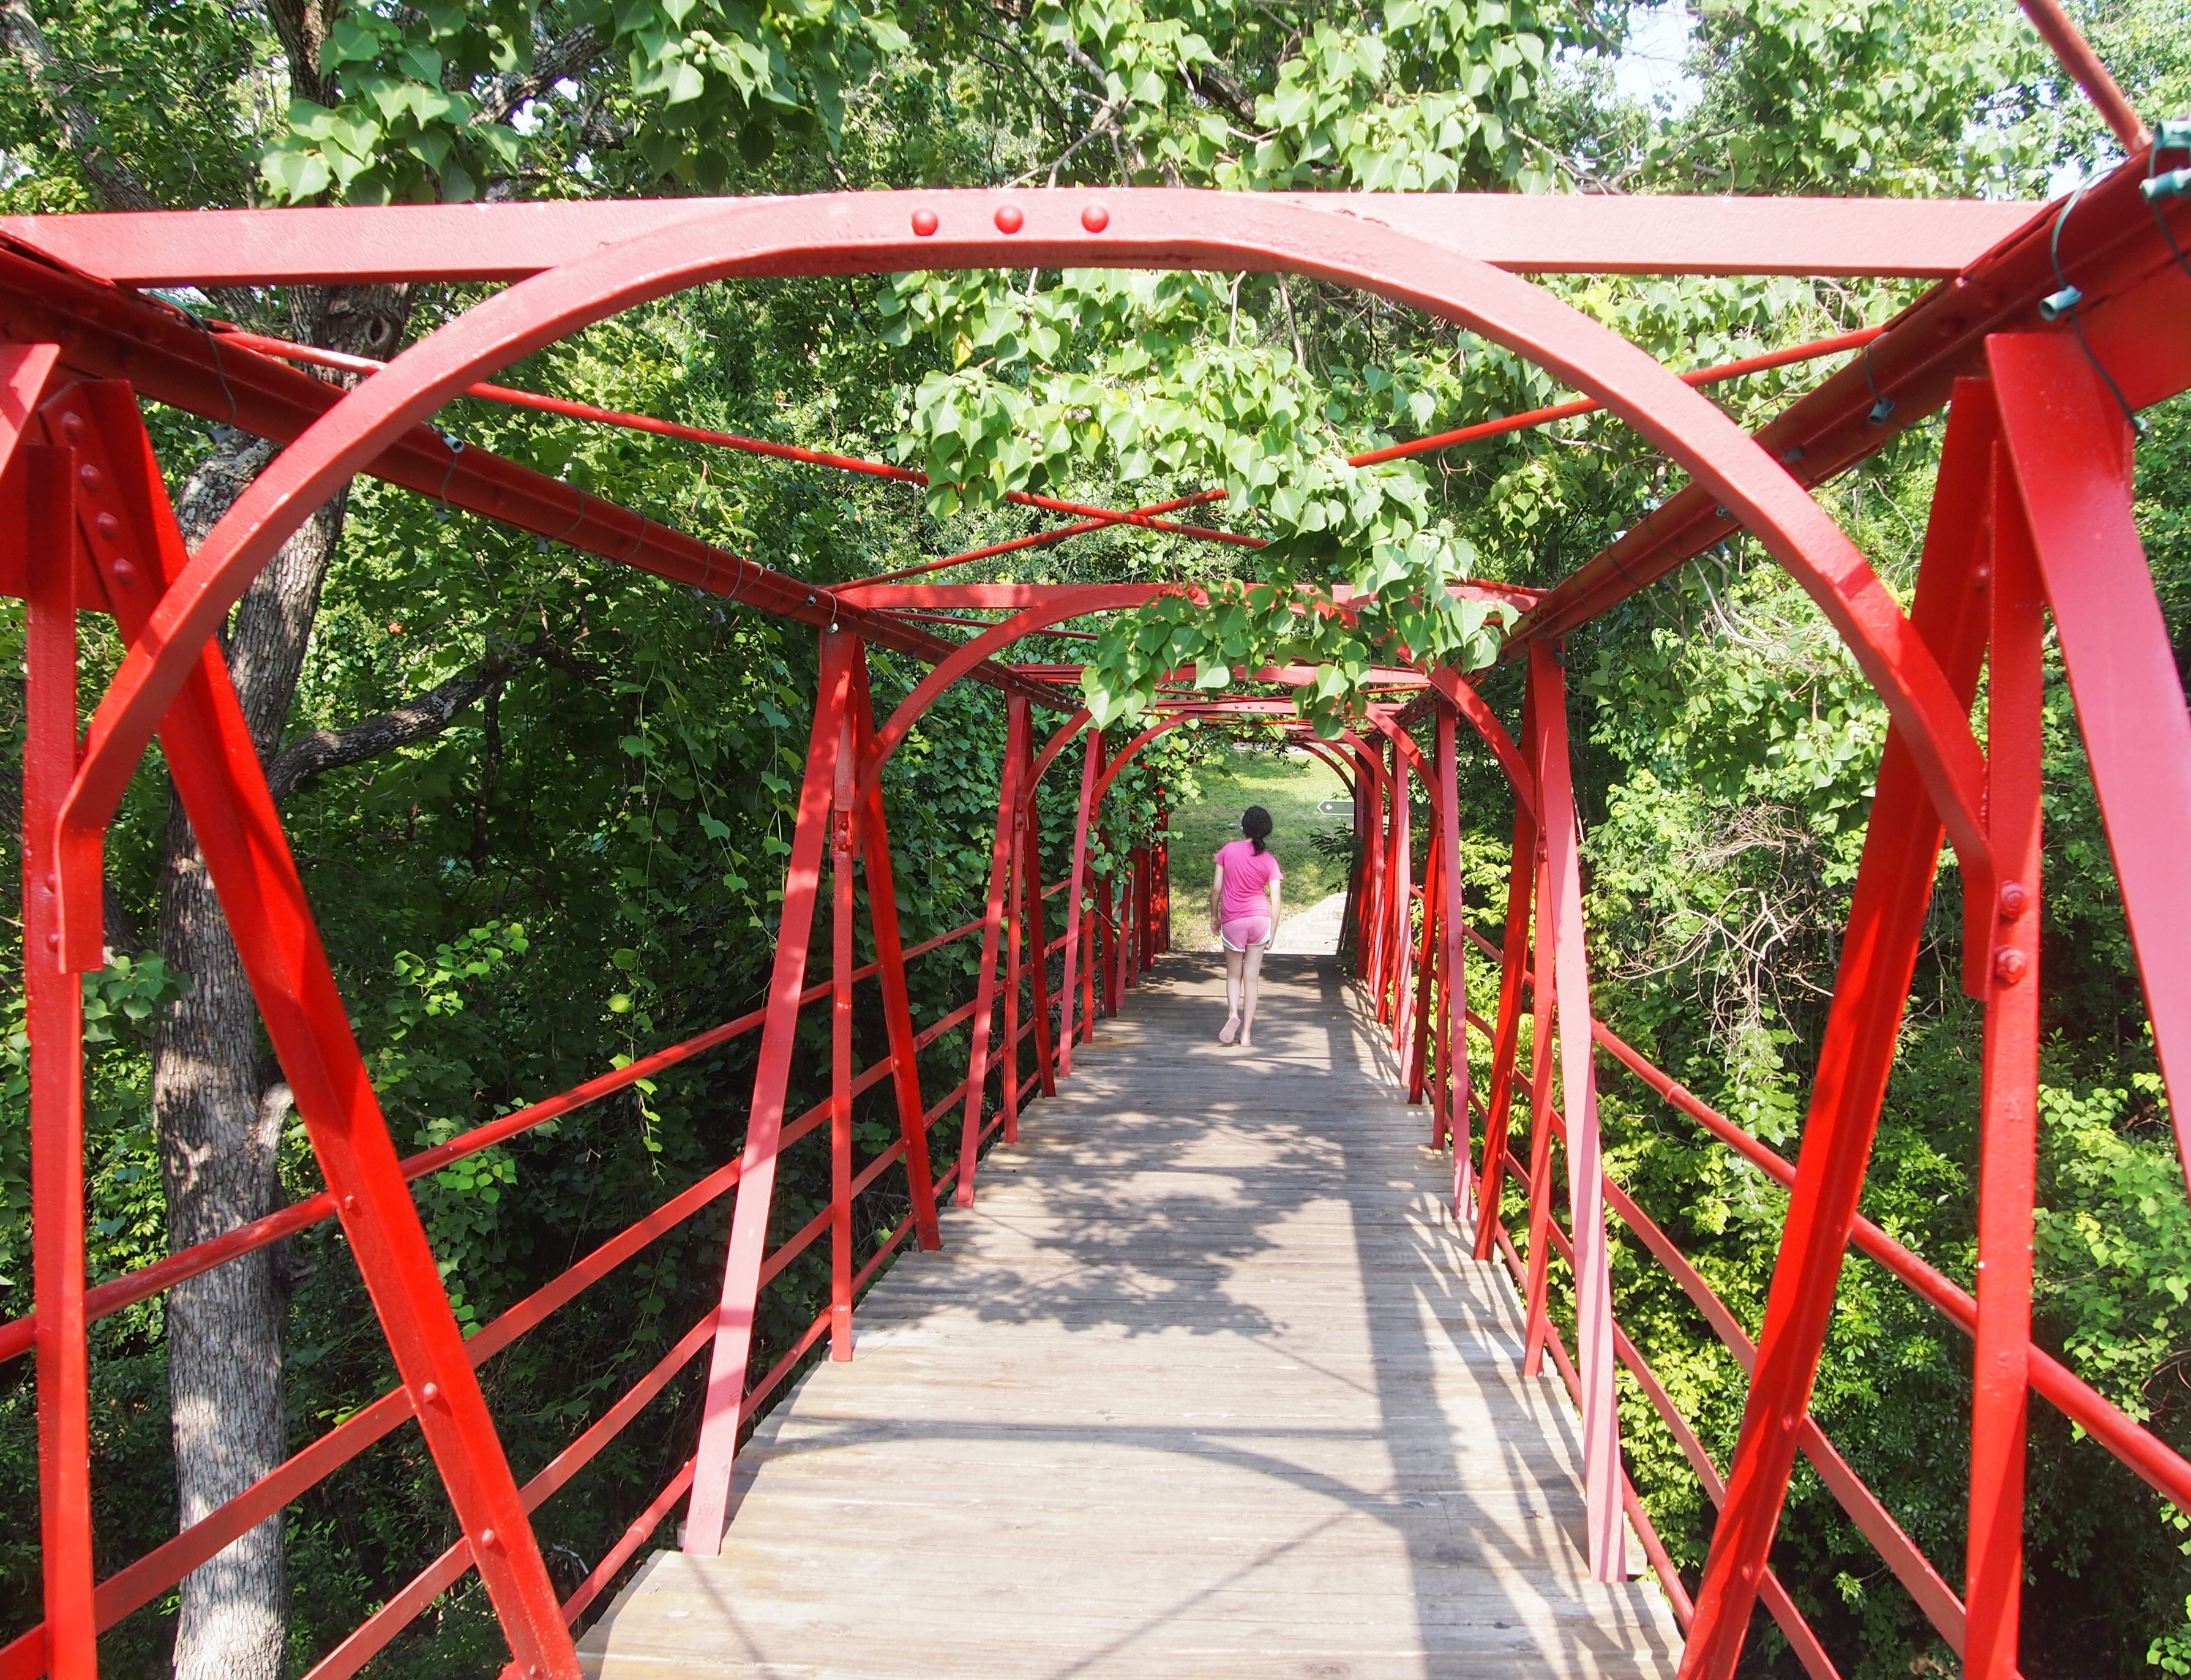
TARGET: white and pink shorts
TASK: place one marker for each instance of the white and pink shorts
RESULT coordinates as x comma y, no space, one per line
1244,933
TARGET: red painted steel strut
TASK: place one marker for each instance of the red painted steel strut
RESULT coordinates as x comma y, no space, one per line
2008,1139
741,1267
128,529
53,1016
1878,954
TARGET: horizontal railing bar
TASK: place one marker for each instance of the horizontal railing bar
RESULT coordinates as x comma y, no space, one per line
139,1583
633,1537
1901,1554
1801,1638
19,1336
371,1636
2138,1450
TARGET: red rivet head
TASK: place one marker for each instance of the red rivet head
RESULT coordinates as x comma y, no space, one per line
72,425
350,1204
107,526
431,1392
924,223
90,475
489,1539
1095,218
1009,218
2010,965
2014,900
124,573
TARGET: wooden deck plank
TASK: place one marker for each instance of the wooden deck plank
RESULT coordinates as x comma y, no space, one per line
1205,1385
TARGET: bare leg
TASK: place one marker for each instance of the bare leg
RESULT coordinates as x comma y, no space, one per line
1231,1026
1253,969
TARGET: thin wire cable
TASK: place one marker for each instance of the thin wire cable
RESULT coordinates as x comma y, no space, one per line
2076,324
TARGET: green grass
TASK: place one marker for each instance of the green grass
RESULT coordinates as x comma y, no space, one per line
1288,785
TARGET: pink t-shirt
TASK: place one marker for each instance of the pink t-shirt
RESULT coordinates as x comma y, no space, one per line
1247,873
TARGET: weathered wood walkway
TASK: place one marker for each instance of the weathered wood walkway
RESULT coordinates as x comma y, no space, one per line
1204,1386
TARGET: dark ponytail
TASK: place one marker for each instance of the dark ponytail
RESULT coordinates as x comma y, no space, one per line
1255,823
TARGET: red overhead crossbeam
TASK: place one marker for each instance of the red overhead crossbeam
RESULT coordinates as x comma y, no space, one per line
1544,234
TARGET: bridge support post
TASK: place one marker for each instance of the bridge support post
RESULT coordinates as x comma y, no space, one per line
1593,1283
53,1016
890,969
844,844
1878,954
985,989
1091,767
1506,1031
723,1407
1452,1077
127,527
2008,1136
1031,895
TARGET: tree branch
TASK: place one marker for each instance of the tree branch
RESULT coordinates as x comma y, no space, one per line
553,63
309,757
114,181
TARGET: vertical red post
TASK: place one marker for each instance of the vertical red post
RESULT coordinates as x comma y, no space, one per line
1540,1136
890,969
1400,901
1415,1023
842,845
1018,730
985,986
1045,1049
1879,955
1453,947
1506,1031
1369,952
1091,766
734,1320
1593,1281
2069,448
53,1014
1110,927
2008,1138
127,527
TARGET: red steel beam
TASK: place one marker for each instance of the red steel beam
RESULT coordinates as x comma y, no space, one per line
106,334
2135,316
1539,234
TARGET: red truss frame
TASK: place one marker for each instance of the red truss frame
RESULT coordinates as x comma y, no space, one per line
2031,518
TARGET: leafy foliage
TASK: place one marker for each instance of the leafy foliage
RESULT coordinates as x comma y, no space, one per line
588,865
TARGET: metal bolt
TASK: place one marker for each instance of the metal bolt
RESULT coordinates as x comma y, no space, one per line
1095,218
2015,899
2010,965
107,526
91,476
924,223
431,1392
489,1539
350,1204
1009,218
124,572
72,425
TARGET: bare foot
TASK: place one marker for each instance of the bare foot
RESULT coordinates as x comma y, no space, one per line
1246,1043
1231,1026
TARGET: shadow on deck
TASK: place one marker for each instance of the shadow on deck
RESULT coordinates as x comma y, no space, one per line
1206,1385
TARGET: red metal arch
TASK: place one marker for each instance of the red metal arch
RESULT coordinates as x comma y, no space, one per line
873,233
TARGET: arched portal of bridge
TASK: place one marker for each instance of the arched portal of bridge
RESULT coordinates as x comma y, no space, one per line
2032,516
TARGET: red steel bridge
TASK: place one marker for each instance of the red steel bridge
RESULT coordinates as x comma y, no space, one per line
2047,329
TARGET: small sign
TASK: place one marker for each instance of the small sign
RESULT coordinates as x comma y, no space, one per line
1336,807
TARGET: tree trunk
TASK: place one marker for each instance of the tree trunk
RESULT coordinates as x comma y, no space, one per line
219,1107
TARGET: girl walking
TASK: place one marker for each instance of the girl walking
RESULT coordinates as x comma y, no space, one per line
1244,914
